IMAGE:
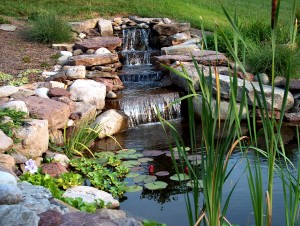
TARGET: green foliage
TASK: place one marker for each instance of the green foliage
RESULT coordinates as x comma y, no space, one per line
84,206
48,28
67,180
4,21
104,176
26,59
5,77
16,119
23,78
152,223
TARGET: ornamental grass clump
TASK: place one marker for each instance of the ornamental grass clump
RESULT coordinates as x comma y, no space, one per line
49,28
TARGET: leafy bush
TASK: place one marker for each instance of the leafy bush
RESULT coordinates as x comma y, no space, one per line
49,29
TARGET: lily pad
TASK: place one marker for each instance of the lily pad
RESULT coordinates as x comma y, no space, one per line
130,163
195,163
180,177
143,160
152,153
186,149
194,157
126,151
132,175
144,179
137,169
191,184
156,185
129,156
134,188
102,157
162,173
176,155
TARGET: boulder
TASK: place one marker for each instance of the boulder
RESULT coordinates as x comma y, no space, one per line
19,158
110,43
264,78
111,122
6,91
179,49
89,91
223,109
22,93
34,138
55,84
84,26
54,169
57,113
63,47
87,111
281,82
93,60
171,28
105,27
7,161
66,100
7,178
66,53
90,195
101,51
8,27
60,158
6,142
111,213
63,60
10,194
59,92
76,72
12,215
42,92
17,106
50,218
57,137
111,95
192,73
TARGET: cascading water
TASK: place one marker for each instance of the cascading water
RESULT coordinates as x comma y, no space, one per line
142,96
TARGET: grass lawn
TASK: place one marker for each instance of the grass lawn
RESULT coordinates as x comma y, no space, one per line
189,10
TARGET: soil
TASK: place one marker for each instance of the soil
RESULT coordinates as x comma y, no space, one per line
18,54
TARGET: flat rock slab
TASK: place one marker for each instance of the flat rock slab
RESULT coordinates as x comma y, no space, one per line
171,29
95,43
8,27
93,60
57,113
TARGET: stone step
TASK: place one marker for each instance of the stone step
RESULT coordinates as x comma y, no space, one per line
110,43
93,60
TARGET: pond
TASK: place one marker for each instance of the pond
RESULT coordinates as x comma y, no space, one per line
168,205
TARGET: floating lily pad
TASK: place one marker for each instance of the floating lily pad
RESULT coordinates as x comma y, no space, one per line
156,185
126,151
137,169
130,163
143,160
186,149
191,184
129,156
179,177
102,157
194,157
134,188
152,153
195,163
132,175
176,155
162,173
144,179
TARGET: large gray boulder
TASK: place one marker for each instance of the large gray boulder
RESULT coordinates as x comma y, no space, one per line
10,194
89,91
7,178
34,138
111,122
90,195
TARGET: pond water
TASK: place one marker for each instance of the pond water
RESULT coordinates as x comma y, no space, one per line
168,205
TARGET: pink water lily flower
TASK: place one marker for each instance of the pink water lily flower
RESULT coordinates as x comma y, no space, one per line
31,166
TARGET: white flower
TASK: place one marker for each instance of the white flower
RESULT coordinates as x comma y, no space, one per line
31,166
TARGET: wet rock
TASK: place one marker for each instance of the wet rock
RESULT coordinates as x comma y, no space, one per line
60,158
42,92
7,178
84,26
90,194
93,60
171,29
57,113
16,105
50,218
58,92
12,215
111,122
10,194
54,169
6,142
6,91
7,161
110,43
105,27
89,91
34,138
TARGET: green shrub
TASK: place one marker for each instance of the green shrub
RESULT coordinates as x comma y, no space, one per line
4,21
49,29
